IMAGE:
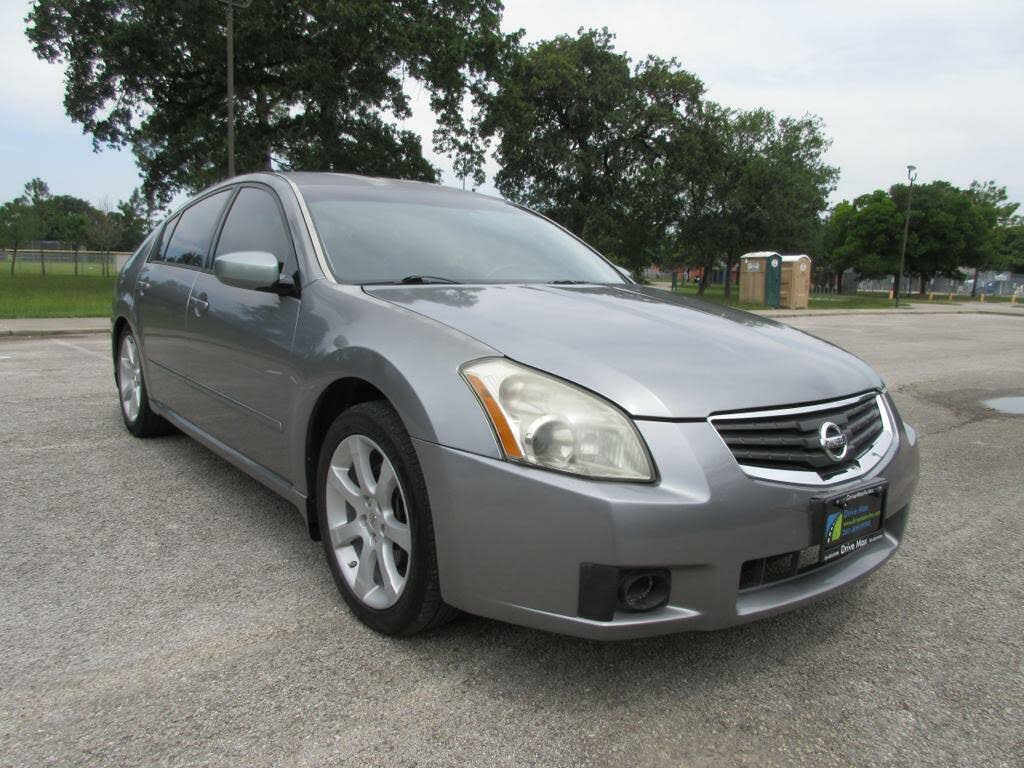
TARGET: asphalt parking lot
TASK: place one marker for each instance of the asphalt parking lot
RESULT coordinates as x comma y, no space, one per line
157,607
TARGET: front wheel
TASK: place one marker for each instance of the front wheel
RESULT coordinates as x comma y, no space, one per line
376,524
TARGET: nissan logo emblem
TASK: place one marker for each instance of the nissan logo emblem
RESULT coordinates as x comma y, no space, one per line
833,441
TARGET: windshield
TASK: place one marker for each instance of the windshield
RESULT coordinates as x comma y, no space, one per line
376,236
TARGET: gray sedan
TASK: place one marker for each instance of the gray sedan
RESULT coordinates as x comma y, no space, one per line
473,410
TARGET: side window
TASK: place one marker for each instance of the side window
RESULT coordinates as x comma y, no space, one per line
254,223
190,241
157,254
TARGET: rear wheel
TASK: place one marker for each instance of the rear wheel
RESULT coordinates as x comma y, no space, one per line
131,389
376,524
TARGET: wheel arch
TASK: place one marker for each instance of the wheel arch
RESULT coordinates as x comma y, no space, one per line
337,397
120,323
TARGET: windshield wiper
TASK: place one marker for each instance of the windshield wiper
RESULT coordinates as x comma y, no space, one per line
422,279
414,280
569,282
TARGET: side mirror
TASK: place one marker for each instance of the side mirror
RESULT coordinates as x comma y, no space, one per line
247,269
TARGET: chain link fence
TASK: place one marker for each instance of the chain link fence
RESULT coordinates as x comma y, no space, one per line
990,283
59,261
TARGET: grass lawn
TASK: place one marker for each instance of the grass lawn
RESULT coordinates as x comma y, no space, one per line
60,293
831,301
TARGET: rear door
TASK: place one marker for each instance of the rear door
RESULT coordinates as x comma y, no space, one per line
162,295
242,339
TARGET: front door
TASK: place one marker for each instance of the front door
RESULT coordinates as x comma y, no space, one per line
241,339
162,293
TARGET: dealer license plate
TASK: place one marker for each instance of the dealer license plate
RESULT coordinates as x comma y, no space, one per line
851,520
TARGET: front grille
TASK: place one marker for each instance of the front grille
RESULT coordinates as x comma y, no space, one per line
789,439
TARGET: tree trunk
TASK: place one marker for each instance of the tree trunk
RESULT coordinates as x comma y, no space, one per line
705,275
14,258
974,283
839,282
42,260
728,276
896,283
76,259
921,284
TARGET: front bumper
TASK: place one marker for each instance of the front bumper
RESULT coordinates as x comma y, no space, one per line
511,539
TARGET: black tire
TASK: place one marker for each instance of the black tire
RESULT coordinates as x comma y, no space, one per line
146,423
419,606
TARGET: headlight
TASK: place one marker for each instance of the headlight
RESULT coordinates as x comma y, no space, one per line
550,423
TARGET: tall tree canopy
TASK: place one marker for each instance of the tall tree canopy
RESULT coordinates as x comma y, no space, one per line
318,84
746,181
632,159
950,228
583,135
40,215
865,235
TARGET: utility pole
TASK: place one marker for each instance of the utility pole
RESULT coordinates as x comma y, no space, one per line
229,6
912,175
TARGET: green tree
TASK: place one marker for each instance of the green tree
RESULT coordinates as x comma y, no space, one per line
996,247
747,181
583,135
319,84
19,224
104,231
36,192
867,235
37,196
66,219
947,230
834,258
134,218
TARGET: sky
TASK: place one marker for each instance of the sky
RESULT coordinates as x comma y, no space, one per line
937,84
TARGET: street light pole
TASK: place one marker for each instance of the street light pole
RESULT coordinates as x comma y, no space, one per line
912,175
229,7
231,87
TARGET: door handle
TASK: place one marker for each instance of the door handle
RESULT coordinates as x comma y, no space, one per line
199,303
142,284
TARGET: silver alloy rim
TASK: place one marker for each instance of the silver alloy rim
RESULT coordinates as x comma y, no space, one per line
129,378
368,522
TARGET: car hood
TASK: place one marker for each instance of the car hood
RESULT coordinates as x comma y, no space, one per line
655,354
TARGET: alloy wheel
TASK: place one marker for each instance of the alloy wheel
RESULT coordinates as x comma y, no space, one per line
368,522
129,378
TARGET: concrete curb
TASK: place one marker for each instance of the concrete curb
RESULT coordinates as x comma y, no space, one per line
19,333
54,326
898,312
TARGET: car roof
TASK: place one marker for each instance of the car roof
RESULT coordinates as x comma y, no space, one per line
360,185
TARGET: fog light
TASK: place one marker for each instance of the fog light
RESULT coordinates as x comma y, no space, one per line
644,590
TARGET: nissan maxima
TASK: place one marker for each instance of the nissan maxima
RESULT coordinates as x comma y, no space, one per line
475,411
